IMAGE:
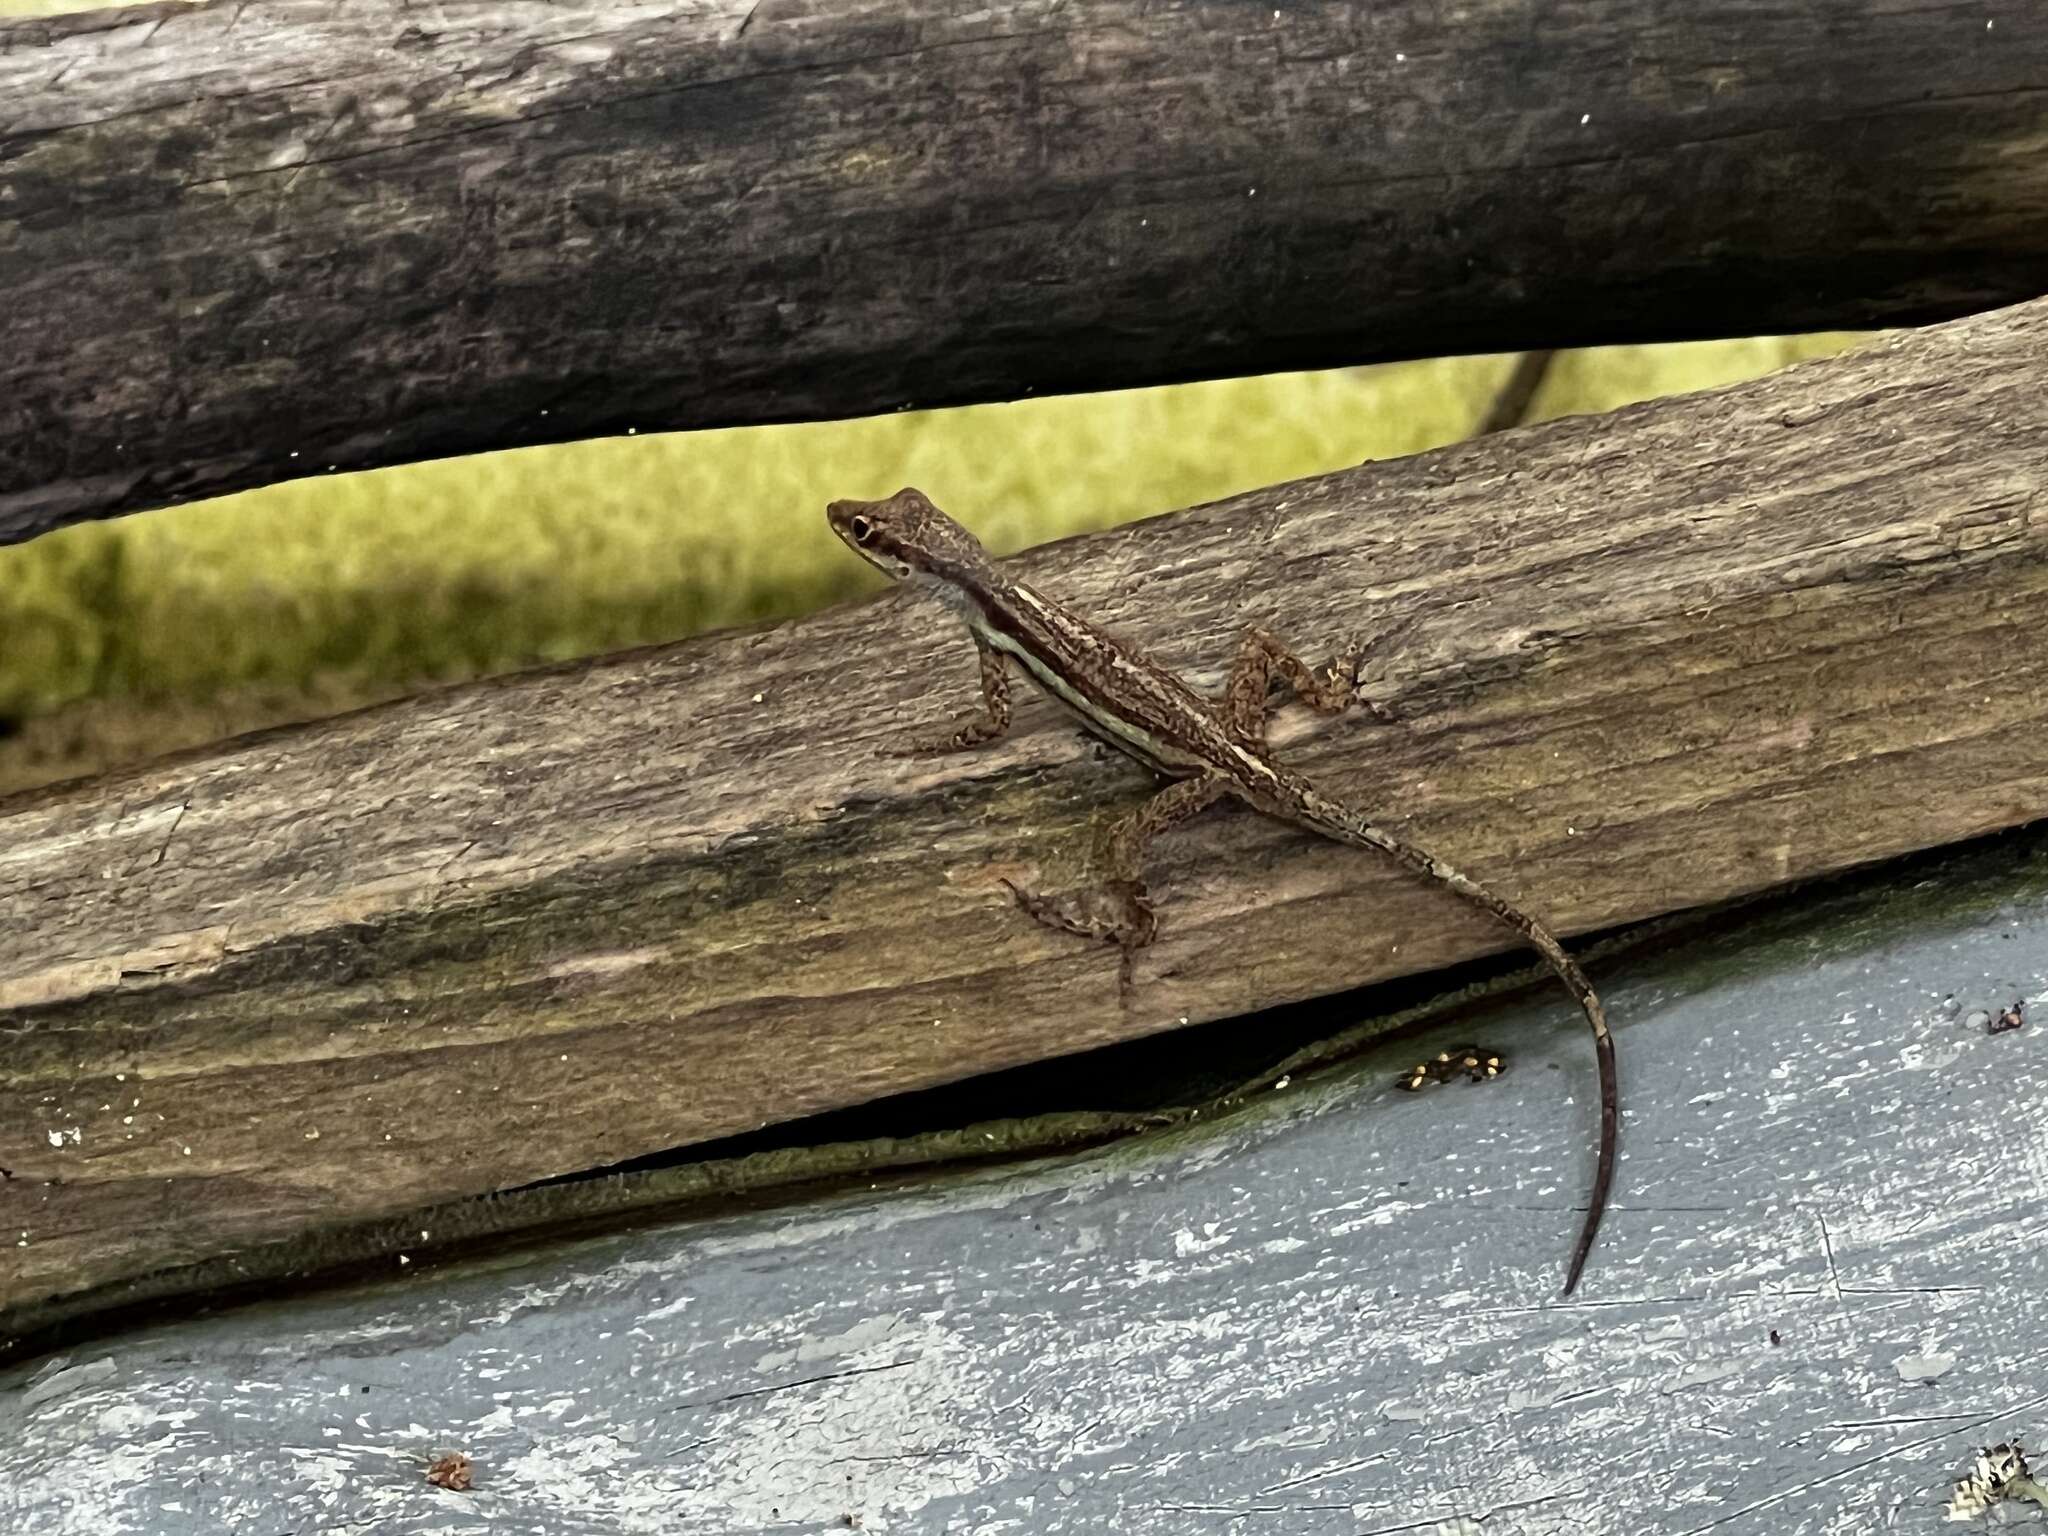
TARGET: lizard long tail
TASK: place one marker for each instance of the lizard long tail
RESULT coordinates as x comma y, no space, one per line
1346,826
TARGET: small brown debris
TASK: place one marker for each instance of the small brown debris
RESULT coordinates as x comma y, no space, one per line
1999,1472
1474,1062
2008,1018
451,1471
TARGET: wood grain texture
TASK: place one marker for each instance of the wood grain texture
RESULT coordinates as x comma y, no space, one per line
243,243
519,929
1334,1313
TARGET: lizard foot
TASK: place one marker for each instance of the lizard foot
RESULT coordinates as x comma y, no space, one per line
1350,671
1117,912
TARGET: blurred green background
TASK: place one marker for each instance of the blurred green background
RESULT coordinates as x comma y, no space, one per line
123,640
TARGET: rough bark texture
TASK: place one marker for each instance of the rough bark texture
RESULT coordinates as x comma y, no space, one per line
241,243
1332,1313
547,923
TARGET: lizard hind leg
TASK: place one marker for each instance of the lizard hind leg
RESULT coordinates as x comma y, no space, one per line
1118,910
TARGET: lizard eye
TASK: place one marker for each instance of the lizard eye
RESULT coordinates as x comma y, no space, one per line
862,530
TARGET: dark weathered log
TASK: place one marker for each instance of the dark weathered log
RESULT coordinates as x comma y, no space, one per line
555,921
247,242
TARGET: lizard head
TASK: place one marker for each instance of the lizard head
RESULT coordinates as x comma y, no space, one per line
908,537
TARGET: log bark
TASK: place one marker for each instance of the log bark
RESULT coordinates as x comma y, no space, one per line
243,243
551,922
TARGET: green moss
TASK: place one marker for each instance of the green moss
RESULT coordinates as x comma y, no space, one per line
468,566
282,603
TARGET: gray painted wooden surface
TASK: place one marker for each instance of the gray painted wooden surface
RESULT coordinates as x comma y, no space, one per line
1335,1313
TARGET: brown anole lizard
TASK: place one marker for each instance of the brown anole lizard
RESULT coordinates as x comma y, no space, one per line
1212,749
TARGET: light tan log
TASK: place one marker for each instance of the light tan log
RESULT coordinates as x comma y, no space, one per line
519,929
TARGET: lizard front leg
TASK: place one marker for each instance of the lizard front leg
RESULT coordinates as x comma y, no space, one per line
1259,655
1129,923
993,721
